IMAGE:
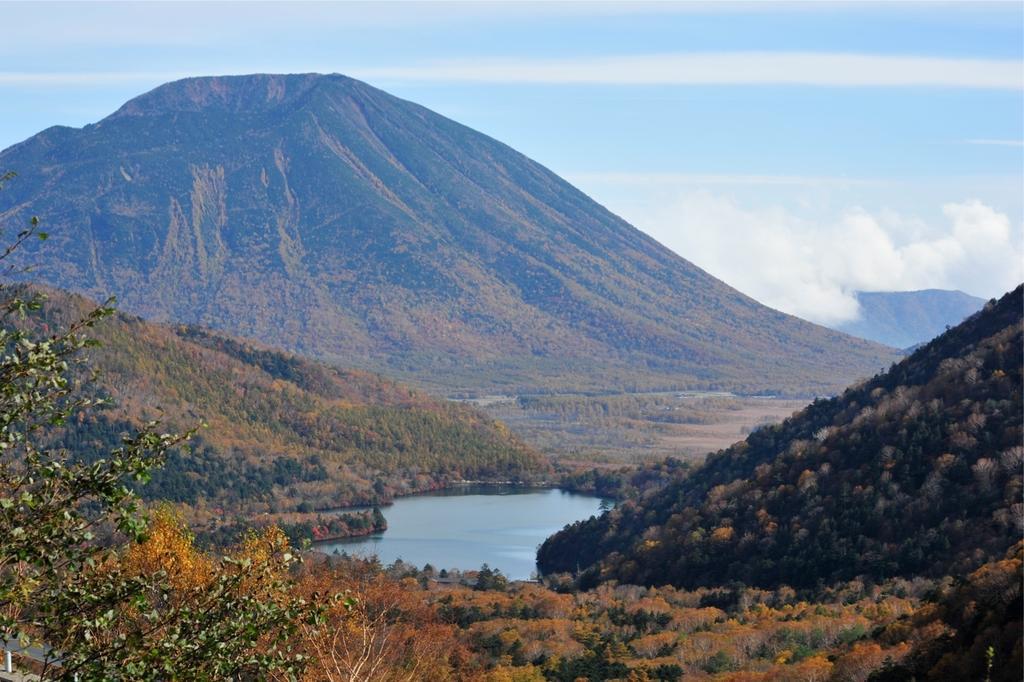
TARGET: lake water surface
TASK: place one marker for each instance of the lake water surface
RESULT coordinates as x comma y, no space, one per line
464,528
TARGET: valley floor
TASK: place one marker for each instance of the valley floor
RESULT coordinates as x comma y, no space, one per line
636,427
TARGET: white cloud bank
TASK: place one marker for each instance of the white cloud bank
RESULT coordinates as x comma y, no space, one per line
723,68
811,268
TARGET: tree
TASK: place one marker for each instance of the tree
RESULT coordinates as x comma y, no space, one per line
490,579
75,576
381,631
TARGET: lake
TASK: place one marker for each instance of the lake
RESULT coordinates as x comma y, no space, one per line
468,526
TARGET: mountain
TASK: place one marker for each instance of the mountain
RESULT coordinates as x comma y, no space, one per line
903,319
325,217
283,434
915,472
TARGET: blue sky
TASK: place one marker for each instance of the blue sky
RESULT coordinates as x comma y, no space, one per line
799,151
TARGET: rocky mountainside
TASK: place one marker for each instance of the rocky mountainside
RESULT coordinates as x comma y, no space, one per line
904,319
326,217
915,472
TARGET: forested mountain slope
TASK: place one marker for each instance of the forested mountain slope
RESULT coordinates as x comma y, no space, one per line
323,216
915,472
964,629
281,433
903,319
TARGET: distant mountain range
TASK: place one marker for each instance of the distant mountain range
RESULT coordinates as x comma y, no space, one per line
321,215
904,319
915,472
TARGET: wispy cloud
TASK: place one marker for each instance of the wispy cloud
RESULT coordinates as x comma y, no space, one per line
720,68
998,143
42,27
704,179
724,68
85,78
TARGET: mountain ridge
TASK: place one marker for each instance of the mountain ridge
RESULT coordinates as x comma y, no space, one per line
905,319
326,217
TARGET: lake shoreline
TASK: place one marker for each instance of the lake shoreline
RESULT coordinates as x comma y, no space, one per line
432,491
470,524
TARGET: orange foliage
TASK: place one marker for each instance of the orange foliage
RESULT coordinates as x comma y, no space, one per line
383,631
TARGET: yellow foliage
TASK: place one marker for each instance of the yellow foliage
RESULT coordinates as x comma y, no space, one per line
527,673
262,548
168,547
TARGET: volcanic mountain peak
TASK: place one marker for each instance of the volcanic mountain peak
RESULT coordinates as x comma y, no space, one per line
233,94
322,215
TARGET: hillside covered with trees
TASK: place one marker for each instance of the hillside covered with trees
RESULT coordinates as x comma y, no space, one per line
916,472
855,631
279,433
147,603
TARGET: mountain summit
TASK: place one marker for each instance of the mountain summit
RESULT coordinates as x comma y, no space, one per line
322,215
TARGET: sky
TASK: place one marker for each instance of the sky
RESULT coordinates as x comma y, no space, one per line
799,151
